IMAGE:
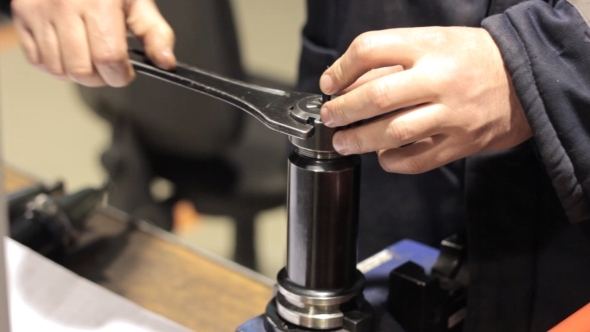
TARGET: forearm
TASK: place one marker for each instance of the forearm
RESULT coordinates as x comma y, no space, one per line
546,49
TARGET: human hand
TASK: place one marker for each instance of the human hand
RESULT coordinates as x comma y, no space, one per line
453,95
85,40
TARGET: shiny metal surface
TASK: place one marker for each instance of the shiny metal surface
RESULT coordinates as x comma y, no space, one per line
310,316
321,273
319,146
322,208
304,295
321,277
317,309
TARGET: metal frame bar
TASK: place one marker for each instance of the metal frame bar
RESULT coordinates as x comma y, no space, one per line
4,309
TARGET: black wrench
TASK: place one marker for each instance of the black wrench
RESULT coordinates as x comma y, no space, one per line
272,107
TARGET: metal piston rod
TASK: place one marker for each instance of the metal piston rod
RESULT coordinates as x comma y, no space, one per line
320,288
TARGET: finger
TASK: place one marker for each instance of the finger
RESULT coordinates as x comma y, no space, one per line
420,157
393,131
108,43
48,45
27,43
147,24
76,52
372,75
382,95
368,51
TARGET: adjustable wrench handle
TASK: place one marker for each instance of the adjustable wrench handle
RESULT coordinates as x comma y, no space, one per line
272,107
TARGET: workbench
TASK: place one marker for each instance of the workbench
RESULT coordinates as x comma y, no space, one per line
156,270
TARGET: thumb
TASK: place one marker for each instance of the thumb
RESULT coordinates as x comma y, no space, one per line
146,23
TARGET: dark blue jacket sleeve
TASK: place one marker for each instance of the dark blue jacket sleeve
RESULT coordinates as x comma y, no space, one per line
546,49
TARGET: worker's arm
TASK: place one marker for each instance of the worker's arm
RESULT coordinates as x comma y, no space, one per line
467,90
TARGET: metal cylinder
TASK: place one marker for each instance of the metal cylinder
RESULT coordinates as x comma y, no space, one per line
323,221
320,288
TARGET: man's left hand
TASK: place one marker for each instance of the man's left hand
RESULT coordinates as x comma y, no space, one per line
452,97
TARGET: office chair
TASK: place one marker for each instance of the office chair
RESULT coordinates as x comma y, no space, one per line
221,159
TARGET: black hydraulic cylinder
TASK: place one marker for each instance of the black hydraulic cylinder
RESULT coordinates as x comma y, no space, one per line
323,221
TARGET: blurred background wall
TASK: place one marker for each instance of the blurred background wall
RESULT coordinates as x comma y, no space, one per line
48,132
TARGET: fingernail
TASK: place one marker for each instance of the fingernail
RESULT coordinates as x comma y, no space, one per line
339,144
326,117
168,58
326,84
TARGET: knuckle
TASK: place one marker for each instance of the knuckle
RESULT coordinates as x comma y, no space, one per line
386,164
110,57
355,142
408,165
22,7
81,73
55,70
414,166
32,58
122,80
58,3
379,96
398,132
337,71
340,116
435,38
361,46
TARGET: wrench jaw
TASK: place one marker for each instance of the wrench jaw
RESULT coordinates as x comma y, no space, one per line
280,116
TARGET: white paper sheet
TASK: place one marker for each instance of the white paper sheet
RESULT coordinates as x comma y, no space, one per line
45,296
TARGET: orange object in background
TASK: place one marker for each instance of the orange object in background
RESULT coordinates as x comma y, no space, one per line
8,37
184,216
578,322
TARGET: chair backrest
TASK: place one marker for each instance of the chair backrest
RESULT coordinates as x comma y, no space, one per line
169,118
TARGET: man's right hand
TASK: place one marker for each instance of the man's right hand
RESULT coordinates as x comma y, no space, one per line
85,40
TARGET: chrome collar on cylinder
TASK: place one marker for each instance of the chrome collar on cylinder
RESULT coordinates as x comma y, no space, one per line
319,146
